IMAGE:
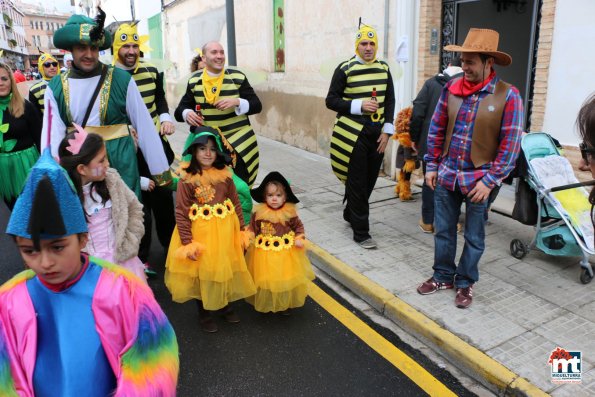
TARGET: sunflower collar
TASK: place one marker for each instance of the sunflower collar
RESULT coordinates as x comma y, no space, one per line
282,215
212,176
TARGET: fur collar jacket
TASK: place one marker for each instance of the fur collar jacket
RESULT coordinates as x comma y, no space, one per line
127,216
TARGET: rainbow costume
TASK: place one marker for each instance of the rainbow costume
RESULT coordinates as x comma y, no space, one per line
101,334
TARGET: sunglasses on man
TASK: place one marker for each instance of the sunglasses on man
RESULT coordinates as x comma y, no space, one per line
587,152
48,64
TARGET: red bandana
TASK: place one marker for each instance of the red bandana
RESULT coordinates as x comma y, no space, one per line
463,87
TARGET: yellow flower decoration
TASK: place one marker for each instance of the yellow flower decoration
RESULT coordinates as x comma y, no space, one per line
206,212
269,242
204,194
267,228
220,210
276,243
288,239
193,213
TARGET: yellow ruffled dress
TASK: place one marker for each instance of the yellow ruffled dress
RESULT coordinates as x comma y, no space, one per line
281,271
208,206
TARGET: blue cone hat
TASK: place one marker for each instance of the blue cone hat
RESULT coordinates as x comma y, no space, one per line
48,206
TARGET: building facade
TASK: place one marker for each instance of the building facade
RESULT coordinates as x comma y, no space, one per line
291,50
13,42
40,25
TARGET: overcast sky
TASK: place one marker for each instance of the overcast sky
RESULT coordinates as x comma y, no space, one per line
120,9
61,5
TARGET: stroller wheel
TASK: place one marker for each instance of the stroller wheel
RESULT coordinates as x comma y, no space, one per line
585,277
518,249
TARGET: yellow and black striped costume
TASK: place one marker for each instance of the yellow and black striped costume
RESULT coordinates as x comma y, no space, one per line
145,78
150,85
36,94
356,81
236,129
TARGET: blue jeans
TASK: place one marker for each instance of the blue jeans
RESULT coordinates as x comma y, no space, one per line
446,215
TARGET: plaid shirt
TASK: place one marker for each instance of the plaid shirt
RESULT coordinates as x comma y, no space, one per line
456,167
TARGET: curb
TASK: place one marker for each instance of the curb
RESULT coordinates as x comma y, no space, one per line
471,360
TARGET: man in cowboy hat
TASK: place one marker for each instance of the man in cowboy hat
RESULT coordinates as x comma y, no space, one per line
157,201
104,100
362,94
473,143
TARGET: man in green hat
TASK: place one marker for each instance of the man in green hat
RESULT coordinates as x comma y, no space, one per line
104,100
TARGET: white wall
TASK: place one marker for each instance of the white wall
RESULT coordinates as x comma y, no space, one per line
120,11
188,25
318,36
571,78
145,9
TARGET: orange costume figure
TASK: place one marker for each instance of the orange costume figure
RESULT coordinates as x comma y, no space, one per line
406,156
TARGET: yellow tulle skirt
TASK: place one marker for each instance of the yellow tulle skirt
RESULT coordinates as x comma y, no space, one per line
281,278
220,275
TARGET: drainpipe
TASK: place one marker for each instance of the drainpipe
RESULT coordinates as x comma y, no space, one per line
405,16
231,33
386,19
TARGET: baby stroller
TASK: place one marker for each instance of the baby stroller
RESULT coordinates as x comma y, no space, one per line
563,225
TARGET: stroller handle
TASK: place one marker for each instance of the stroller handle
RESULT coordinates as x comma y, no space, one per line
571,186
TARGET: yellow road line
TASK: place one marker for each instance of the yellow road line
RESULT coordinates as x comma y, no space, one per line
396,357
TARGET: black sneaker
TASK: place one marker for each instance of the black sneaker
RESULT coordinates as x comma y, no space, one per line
368,243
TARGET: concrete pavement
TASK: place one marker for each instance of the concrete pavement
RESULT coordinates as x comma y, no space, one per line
522,309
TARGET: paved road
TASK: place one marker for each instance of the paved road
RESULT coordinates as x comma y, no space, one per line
307,353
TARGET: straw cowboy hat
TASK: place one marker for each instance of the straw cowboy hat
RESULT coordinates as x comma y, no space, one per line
482,41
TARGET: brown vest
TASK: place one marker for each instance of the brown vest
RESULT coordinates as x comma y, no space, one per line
485,138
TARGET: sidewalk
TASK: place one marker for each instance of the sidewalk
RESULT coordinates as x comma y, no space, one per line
522,310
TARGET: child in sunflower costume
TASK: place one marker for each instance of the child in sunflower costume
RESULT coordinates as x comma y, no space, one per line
206,254
277,259
406,156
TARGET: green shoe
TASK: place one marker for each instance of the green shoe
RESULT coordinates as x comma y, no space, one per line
149,271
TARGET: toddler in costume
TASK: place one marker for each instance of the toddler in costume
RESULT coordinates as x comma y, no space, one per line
75,325
277,260
114,214
206,256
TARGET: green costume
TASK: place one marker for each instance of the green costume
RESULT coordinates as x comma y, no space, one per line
118,104
114,121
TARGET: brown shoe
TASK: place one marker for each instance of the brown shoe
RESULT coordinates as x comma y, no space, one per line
208,325
464,297
231,316
431,285
426,227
